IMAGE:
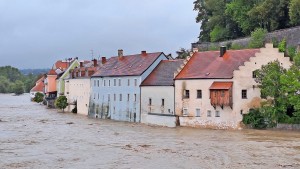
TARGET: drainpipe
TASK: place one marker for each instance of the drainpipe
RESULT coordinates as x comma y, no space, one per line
140,101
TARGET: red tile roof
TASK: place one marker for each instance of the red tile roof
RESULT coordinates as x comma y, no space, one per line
61,65
163,74
39,87
221,85
131,65
209,65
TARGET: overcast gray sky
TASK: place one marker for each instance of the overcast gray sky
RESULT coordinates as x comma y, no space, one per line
36,33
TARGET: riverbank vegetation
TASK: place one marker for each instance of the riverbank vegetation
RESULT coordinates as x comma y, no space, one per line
231,19
13,81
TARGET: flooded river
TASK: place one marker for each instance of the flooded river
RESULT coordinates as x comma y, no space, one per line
34,137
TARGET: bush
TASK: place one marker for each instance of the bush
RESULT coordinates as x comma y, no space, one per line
282,46
218,34
39,97
291,51
61,102
257,38
255,119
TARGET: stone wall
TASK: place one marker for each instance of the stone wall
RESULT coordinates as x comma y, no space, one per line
292,36
288,126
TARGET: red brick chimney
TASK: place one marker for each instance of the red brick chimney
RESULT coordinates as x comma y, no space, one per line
120,53
95,62
103,60
144,53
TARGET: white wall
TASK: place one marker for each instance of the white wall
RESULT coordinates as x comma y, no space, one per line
78,89
157,93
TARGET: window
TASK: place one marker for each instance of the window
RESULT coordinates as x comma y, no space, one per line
186,94
198,113
128,97
119,82
108,82
199,94
217,113
98,83
108,97
162,102
94,95
98,96
103,82
114,97
94,82
185,112
244,94
128,82
208,113
135,82
115,82
120,97
135,97
150,101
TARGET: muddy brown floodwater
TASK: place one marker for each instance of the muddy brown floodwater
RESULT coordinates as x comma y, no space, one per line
34,137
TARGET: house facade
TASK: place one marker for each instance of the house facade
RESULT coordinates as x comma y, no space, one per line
115,87
38,88
60,80
77,86
214,89
157,95
50,89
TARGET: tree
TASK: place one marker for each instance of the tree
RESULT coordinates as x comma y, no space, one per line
257,38
18,87
61,102
38,97
290,86
4,85
294,12
182,53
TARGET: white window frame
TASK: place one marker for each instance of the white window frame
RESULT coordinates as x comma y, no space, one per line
185,112
198,112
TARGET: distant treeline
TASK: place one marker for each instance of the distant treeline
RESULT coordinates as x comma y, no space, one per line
33,71
230,19
13,81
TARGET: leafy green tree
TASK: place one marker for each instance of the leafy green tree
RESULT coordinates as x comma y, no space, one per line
61,102
294,12
257,38
38,97
4,85
291,89
18,87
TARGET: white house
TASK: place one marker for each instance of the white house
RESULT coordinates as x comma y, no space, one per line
215,88
157,95
115,87
77,86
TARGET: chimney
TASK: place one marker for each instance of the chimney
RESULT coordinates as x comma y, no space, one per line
95,62
103,60
81,64
120,53
222,51
144,53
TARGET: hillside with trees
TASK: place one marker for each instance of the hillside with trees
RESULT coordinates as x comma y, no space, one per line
13,81
230,19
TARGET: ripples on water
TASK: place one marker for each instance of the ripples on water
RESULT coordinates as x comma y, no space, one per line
32,136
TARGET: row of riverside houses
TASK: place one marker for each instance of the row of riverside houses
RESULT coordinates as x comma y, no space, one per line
211,89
